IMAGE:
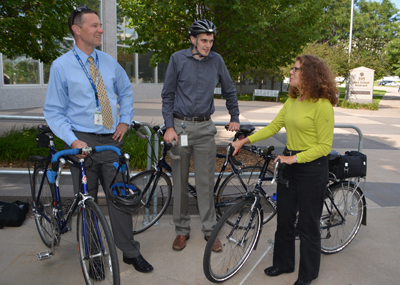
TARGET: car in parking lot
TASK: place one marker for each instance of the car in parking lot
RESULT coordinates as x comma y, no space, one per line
388,83
392,83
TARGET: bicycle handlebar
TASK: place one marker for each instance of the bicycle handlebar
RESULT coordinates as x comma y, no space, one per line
136,125
52,174
276,167
229,151
167,148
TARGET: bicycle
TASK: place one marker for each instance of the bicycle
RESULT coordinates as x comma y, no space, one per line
97,253
240,227
156,185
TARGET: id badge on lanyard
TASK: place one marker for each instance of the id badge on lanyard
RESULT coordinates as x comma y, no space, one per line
184,136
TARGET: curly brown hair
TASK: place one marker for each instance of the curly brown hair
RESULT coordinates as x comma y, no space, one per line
316,80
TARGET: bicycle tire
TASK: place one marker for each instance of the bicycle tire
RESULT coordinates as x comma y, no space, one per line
220,266
349,200
146,216
97,253
231,190
47,230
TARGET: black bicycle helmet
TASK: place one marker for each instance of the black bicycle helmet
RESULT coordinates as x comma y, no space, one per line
125,198
202,26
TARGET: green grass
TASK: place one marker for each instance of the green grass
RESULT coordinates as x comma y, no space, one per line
376,98
19,144
283,96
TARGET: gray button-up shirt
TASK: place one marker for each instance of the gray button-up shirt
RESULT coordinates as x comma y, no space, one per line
189,84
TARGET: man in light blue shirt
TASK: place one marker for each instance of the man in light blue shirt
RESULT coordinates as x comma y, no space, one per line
74,114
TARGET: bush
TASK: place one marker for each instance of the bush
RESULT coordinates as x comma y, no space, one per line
18,145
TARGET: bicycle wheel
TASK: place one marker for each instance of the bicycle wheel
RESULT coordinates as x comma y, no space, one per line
97,253
232,189
237,241
337,233
47,228
149,213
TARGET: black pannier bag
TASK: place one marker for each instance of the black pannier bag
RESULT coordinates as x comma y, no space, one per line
352,164
42,140
13,214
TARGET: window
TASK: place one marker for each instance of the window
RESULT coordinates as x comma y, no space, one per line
20,70
162,69
127,61
137,66
146,72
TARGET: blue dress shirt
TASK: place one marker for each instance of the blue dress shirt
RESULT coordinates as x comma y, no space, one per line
70,100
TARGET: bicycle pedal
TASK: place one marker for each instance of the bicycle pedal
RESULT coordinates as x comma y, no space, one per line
43,255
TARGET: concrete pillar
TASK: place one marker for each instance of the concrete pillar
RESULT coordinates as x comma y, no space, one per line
109,11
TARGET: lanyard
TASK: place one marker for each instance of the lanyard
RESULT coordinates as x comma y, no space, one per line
89,76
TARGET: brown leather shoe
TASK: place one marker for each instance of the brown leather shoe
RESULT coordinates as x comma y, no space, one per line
217,246
180,242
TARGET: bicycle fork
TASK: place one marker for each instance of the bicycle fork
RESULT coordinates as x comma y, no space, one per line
243,239
92,237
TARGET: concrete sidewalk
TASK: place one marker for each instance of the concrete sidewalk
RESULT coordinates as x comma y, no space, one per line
372,258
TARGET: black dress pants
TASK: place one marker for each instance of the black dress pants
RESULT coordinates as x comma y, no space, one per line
304,194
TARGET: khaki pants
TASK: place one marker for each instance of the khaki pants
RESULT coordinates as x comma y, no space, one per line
202,147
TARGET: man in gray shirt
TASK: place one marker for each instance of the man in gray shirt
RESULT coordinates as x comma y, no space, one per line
188,103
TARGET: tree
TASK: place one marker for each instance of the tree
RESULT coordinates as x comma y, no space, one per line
375,25
335,56
392,56
252,33
34,28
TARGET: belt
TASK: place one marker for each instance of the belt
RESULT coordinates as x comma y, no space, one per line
287,152
99,135
193,119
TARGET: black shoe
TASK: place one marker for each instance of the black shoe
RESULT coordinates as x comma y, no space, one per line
273,271
301,282
96,269
139,263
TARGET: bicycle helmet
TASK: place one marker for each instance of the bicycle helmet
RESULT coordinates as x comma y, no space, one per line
125,198
202,26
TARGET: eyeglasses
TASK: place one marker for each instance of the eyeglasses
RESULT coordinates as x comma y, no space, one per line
294,69
79,10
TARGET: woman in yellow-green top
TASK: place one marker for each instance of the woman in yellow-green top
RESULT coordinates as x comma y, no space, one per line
308,118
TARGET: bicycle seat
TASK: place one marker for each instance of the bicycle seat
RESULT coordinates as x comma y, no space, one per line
44,129
247,129
333,155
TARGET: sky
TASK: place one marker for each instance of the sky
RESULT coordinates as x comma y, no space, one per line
396,3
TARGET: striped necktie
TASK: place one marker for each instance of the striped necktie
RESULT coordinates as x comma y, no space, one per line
102,95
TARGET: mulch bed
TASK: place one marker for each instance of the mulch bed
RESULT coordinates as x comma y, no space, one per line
244,156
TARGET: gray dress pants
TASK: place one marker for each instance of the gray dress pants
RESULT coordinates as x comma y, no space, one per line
121,223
